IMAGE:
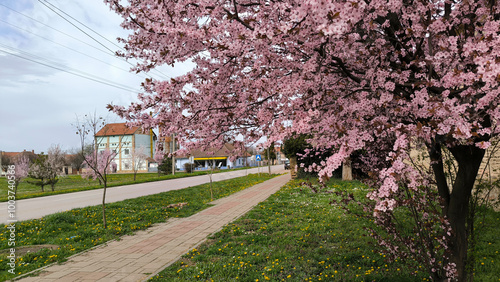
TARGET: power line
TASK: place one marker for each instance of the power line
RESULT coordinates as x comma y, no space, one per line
74,50
110,53
13,49
80,23
47,2
60,67
81,30
75,38
64,68
76,26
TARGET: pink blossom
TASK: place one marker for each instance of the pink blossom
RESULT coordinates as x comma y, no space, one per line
98,164
372,77
483,145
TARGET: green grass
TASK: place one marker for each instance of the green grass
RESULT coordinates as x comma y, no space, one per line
81,229
296,235
75,183
487,251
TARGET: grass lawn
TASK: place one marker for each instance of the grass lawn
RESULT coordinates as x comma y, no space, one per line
65,234
296,235
74,183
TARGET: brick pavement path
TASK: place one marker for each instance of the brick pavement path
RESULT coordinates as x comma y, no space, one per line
142,255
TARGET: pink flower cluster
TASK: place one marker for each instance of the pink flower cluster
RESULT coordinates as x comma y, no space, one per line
360,76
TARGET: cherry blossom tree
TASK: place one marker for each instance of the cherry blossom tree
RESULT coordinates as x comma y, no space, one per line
56,159
99,166
46,168
138,159
22,165
98,163
41,172
378,76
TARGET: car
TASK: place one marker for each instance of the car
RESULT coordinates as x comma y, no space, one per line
287,164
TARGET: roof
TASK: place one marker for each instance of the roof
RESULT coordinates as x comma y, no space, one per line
226,151
10,154
117,129
14,155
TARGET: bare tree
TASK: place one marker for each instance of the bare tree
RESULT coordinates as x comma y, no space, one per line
76,157
5,162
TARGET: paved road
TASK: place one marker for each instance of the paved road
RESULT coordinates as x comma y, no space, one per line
39,207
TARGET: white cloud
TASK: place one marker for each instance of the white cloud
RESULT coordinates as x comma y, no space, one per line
39,103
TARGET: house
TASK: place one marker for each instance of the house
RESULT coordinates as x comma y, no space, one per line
280,157
167,145
12,156
124,141
221,158
8,158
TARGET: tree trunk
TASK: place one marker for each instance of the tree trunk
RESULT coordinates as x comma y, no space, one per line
104,206
469,160
293,167
456,202
53,184
347,169
211,193
437,165
268,161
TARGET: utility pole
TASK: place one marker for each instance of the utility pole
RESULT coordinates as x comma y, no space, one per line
151,137
173,149
245,155
268,161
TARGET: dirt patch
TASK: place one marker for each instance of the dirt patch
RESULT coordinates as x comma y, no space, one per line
22,250
178,205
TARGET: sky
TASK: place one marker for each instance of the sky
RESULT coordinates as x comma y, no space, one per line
42,60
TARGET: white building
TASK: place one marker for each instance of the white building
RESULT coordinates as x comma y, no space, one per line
220,158
124,141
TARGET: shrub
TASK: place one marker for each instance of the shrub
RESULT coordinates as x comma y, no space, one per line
188,167
165,166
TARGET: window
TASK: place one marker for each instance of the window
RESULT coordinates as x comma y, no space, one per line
126,151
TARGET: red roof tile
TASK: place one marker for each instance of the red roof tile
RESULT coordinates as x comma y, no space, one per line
14,155
10,154
117,129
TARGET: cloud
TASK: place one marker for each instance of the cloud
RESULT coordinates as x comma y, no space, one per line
53,73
